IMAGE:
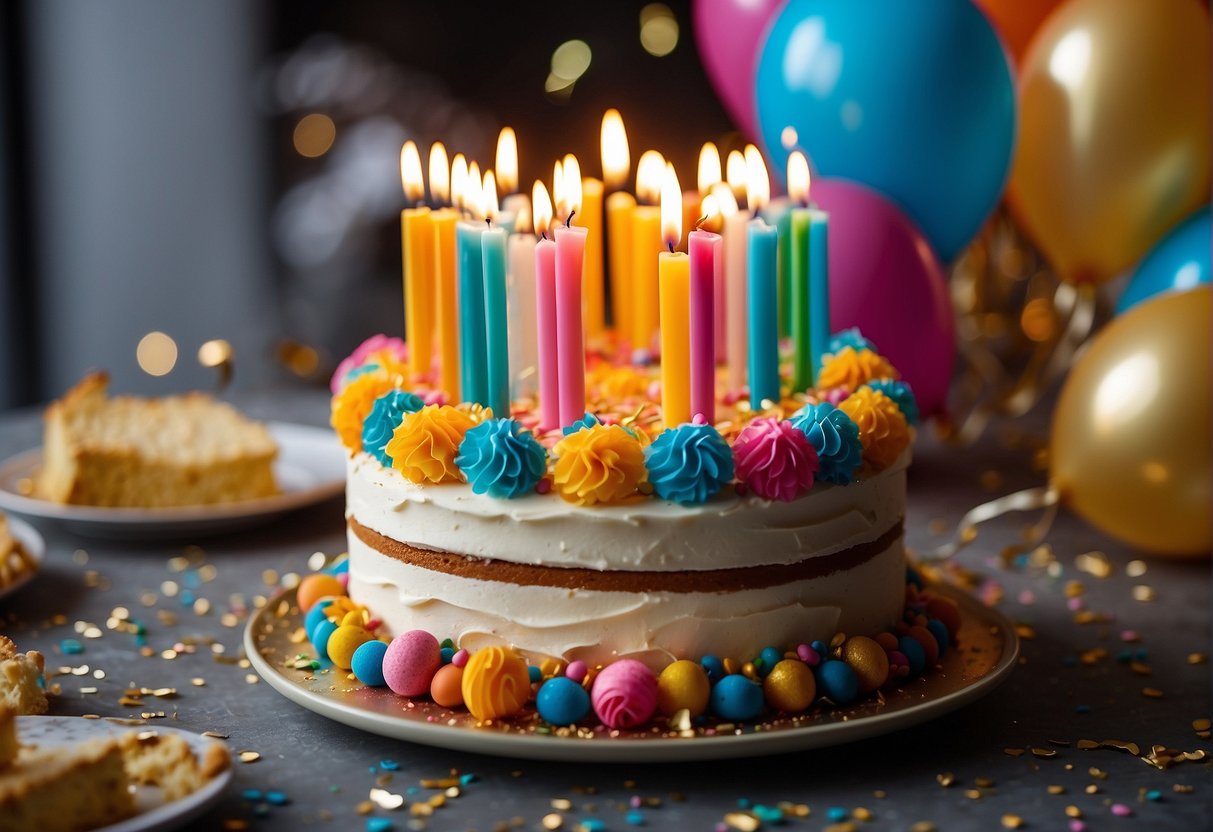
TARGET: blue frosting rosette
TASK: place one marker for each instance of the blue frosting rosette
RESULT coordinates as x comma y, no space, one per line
501,458
689,464
901,394
385,416
848,338
835,437
586,421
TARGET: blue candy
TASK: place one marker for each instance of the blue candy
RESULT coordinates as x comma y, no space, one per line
316,614
914,653
534,674
447,653
737,698
320,638
937,629
367,663
838,682
714,667
561,701
769,657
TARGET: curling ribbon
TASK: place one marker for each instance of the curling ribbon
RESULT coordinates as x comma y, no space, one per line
1042,497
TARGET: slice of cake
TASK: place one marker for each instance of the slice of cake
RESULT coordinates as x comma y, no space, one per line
147,452
21,688
167,761
15,562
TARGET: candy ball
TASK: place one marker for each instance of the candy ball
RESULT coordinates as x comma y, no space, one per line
367,663
320,637
915,655
837,682
446,654
410,663
316,614
938,629
447,686
460,659
343,642
495,683
869,661
790,686
945,610
314,587
534,673
887,641
576,671
736,698
683,684
931,647
561,701
714,667
808,655
624,694
769,657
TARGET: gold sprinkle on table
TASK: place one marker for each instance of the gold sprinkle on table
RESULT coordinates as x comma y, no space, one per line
1135,568
973,794
553,821
1014,752
1143,593
214,735
860,813
249,756
1012,821
1073,811
742,821
924,826
946,779
1198,658
1055,790
198,682
983,783
1043,753
562,804
1151,693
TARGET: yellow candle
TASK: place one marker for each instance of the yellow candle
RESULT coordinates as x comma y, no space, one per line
417,258
594,296
692,210
646,242
619,207
674,275
445,298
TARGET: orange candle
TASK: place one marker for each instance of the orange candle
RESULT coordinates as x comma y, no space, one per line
417,255
446,315
619,208
674,275
589,217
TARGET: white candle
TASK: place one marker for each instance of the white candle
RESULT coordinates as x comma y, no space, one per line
524,339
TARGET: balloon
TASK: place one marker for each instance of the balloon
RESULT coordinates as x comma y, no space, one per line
729,33
1130,445
886,280
1180,261
1114,131
1016,21
913,99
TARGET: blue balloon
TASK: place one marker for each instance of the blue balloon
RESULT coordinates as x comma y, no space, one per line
915,100
1179,262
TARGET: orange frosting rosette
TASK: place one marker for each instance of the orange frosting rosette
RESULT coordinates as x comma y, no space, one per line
601,464
424,445
495,683
853,368
353,404
882,426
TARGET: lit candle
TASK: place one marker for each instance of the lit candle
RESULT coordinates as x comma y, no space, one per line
473,358
506,164
570,277
732,308
496,314
763,301
417,240
590,218
545,312
674,277
616,165
705,256
647,241
520,291
776,214
459,181
445,294
736,174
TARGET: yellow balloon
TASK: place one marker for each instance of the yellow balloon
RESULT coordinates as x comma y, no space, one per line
1130,445
1114,131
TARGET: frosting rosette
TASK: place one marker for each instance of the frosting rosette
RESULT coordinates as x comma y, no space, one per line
502,459
391,350
882,427
354,403
689,464
386,414
835,437
902,396
586,421
601,464
853,368
424,445
848,338
774,459
495,683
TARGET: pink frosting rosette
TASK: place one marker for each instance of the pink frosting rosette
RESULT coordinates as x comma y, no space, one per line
394,347
775,460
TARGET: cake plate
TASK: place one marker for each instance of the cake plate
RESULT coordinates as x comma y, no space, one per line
986,654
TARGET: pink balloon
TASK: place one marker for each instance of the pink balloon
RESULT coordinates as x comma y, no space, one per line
729,34
886,280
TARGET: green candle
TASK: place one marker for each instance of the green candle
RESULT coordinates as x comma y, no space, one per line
819,289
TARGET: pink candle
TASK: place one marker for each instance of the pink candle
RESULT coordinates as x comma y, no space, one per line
570,335
545,316
704,248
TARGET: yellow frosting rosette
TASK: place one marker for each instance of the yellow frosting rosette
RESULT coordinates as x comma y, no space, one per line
353,404
424,445
853,368
882,426
600,464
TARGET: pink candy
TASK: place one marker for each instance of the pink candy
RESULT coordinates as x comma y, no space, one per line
410,663
1121,810
625,694
576,671
460,659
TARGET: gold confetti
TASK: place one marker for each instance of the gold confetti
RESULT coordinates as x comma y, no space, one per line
168,654
215,735
1198,658
1043,753
169,589
1086,745
1013,752
1012,821
742,821
1201,724
1140,668
983,783
1183,788
1024,631
1075,589
316,561
198,682
252,678
1092,789
1151,693
1135,568
1056,790
861,814
202,606
924,826
553,821
365,807
973,794
1097,773
208,573
1143,593
946,779
1094,563
249,756
386,800
269,577
148,599
562,804
1073,811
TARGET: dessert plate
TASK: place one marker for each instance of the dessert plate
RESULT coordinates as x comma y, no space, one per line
310,468
985,655
154,812
34,546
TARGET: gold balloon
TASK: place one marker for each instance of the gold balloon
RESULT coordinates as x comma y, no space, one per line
868,660
1114,131
1130,446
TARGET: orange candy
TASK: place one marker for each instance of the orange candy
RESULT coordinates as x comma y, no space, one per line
929,645
314,587
447,687
947,612
495,683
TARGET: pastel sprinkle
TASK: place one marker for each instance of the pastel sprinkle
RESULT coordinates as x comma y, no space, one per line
1153,795
378,825
71,647
389,765
1121,810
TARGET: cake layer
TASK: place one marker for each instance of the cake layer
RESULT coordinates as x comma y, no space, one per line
647,535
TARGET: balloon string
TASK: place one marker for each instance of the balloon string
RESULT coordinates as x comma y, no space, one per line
1042,497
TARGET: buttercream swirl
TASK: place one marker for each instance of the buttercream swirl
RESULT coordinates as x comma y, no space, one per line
848,338
602,464
689,464
394,348
501,459
353,404
495,683
853,368
381,422
424,445
882,427
902,396
775,459
586,421
835,437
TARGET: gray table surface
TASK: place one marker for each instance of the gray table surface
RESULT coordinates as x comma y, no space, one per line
327,769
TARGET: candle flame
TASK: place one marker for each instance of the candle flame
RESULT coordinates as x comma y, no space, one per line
488,196
459,181
735,173
650,171
507,160
758,182
616,162
522,220
410,172
708,209
709,167
541,207
798,177
725,201
473,197
572,184
440,174
671,207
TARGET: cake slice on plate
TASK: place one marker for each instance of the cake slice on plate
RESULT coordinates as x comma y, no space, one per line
15,562
21,690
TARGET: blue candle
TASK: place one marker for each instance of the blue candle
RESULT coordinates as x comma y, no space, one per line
473,360
496,319
763,307
819,287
